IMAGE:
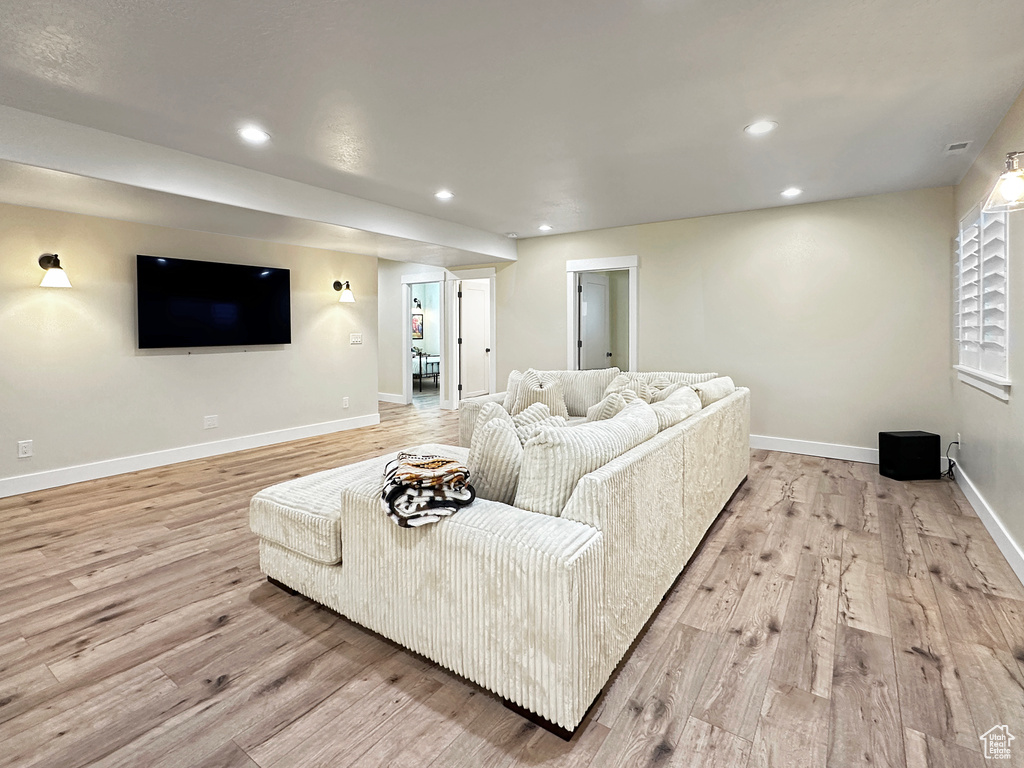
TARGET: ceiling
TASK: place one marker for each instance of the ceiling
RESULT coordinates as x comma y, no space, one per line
579,114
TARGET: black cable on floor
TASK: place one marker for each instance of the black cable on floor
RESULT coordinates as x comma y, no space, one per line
950,474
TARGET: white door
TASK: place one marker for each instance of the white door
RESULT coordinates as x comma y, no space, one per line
595,322
474,317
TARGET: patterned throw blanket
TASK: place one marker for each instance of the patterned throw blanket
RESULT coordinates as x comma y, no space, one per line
422,489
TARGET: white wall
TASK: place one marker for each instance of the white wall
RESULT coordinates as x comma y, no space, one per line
73,381
837,315
992,431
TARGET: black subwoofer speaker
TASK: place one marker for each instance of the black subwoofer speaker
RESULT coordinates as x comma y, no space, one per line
909,455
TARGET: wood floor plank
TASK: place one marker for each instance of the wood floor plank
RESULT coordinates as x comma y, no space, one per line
994,683
807,642
792,730
929,683
228,756
704,746
925,751
966,612
652,722
988,566
862,598
712,604
734,688
866,730
300,742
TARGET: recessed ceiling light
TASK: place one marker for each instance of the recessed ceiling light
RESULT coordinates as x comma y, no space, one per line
444,194
253,134
792,192
544,227
512,235
761,127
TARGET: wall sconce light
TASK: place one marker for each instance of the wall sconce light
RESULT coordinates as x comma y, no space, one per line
55,276
346,292
1008,193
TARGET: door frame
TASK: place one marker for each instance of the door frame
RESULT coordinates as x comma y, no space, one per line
455,277
573,268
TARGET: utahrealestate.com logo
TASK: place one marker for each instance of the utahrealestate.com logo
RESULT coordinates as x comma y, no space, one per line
997,742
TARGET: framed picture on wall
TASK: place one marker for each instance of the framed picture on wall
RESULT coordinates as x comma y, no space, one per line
417,326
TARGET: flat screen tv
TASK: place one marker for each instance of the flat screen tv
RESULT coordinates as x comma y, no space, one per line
185,303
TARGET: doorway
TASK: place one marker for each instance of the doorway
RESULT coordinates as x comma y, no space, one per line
602,313
425,332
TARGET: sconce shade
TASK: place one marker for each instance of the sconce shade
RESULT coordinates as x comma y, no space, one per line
347,296
54,276
1008,193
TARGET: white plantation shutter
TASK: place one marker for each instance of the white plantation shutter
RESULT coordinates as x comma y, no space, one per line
981,295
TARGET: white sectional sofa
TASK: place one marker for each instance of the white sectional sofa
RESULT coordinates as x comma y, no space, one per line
538,608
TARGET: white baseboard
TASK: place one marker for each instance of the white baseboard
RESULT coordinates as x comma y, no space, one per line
387,397
14,486
810,448
1010,549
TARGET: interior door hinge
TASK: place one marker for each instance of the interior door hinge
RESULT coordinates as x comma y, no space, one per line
460,341
460,294
579,343
579,289
460,387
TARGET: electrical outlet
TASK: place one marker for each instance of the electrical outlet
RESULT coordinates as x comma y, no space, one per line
24,449
210,422
344,402
355,338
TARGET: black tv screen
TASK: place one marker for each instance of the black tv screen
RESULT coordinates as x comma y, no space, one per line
185,303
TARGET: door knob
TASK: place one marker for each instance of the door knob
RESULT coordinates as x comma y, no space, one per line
607,354
487,350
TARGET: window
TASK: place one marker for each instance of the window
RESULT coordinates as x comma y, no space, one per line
981,302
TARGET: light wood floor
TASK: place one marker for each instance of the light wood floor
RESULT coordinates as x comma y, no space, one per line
832,617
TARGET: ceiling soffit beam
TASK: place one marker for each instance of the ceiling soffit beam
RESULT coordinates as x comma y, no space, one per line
45,142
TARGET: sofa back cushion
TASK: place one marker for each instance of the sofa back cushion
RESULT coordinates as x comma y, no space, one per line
495,458
714,390
554,459
679,405
674,377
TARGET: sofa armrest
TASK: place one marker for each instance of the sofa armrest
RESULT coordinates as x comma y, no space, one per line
508,598
469,409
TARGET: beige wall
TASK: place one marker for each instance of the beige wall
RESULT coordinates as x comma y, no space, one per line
837,315
73,381
992,431
390,321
